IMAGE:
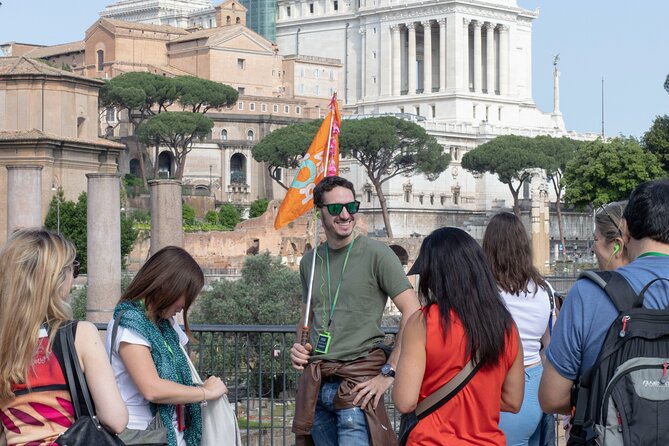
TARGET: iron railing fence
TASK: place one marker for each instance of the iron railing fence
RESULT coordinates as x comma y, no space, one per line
254,362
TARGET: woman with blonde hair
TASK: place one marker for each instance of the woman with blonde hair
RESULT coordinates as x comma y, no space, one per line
148,359
37,268
609,246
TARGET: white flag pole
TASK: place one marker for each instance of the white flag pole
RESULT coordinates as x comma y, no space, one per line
305,325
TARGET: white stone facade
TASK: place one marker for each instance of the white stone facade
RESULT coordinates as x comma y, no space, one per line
460,68
179,13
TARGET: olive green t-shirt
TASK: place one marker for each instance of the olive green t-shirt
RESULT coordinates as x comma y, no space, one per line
373,273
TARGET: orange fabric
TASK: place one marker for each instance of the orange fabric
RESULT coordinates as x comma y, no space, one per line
37,418
300,196
472,416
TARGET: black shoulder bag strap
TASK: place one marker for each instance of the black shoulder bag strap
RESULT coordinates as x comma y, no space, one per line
71,359
446,392
616,287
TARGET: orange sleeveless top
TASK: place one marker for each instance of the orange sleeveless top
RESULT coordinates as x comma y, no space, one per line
472,416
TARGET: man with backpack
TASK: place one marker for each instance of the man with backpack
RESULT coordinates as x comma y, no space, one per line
612,338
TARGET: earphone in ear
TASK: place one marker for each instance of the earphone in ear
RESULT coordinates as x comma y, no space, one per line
616,248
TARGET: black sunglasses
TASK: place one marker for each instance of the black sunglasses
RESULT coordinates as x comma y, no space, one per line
335,209
76,268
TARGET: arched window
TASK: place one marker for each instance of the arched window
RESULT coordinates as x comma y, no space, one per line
249,135
101,60
224,135
165,160
238,169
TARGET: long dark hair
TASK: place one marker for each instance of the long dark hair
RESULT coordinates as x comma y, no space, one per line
507,247
163,279
454,275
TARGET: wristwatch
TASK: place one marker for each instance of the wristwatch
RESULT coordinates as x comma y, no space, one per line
388,370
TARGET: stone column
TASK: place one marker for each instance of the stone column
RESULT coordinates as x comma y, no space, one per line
427,57
103,245
411,59
442,54
363,59
503,59
478,60
24,197
465,55
540,232
166,218
396,60
490,58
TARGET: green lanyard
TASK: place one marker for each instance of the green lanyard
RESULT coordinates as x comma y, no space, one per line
341,278
653,254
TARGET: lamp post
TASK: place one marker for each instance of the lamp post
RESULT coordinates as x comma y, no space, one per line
53,188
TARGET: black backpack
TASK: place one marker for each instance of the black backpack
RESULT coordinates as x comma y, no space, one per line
623,399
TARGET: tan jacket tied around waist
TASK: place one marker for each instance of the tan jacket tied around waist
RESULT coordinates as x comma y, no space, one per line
351,373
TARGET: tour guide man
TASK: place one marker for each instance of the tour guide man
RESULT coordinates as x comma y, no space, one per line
346,372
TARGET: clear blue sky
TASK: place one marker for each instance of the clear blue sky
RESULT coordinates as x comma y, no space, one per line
624,42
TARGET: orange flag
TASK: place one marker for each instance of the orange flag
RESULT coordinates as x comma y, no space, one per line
321,160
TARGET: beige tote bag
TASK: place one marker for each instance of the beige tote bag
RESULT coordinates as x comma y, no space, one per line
219,423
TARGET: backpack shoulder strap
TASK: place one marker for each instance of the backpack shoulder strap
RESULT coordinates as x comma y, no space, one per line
616,287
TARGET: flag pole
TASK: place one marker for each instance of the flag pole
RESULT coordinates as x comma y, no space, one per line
305,326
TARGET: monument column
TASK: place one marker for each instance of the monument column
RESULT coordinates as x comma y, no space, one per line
363,62
103,242
166,218
396,60
478,60
24,197
503,59
465,54
427,57
411,59
442,54
490,57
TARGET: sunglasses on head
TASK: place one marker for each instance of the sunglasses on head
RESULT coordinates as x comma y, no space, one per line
335,209
75,269
602,209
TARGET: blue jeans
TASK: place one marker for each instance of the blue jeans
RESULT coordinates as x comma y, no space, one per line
522,428
334,427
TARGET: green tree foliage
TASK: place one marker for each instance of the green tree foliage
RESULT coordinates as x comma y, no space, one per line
141,95
73,225
211,217
510,157
666,84
258,207
187,214
656,140
387,147
604,172
199,95
176,131
229,216
284,148
557,153
268,293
